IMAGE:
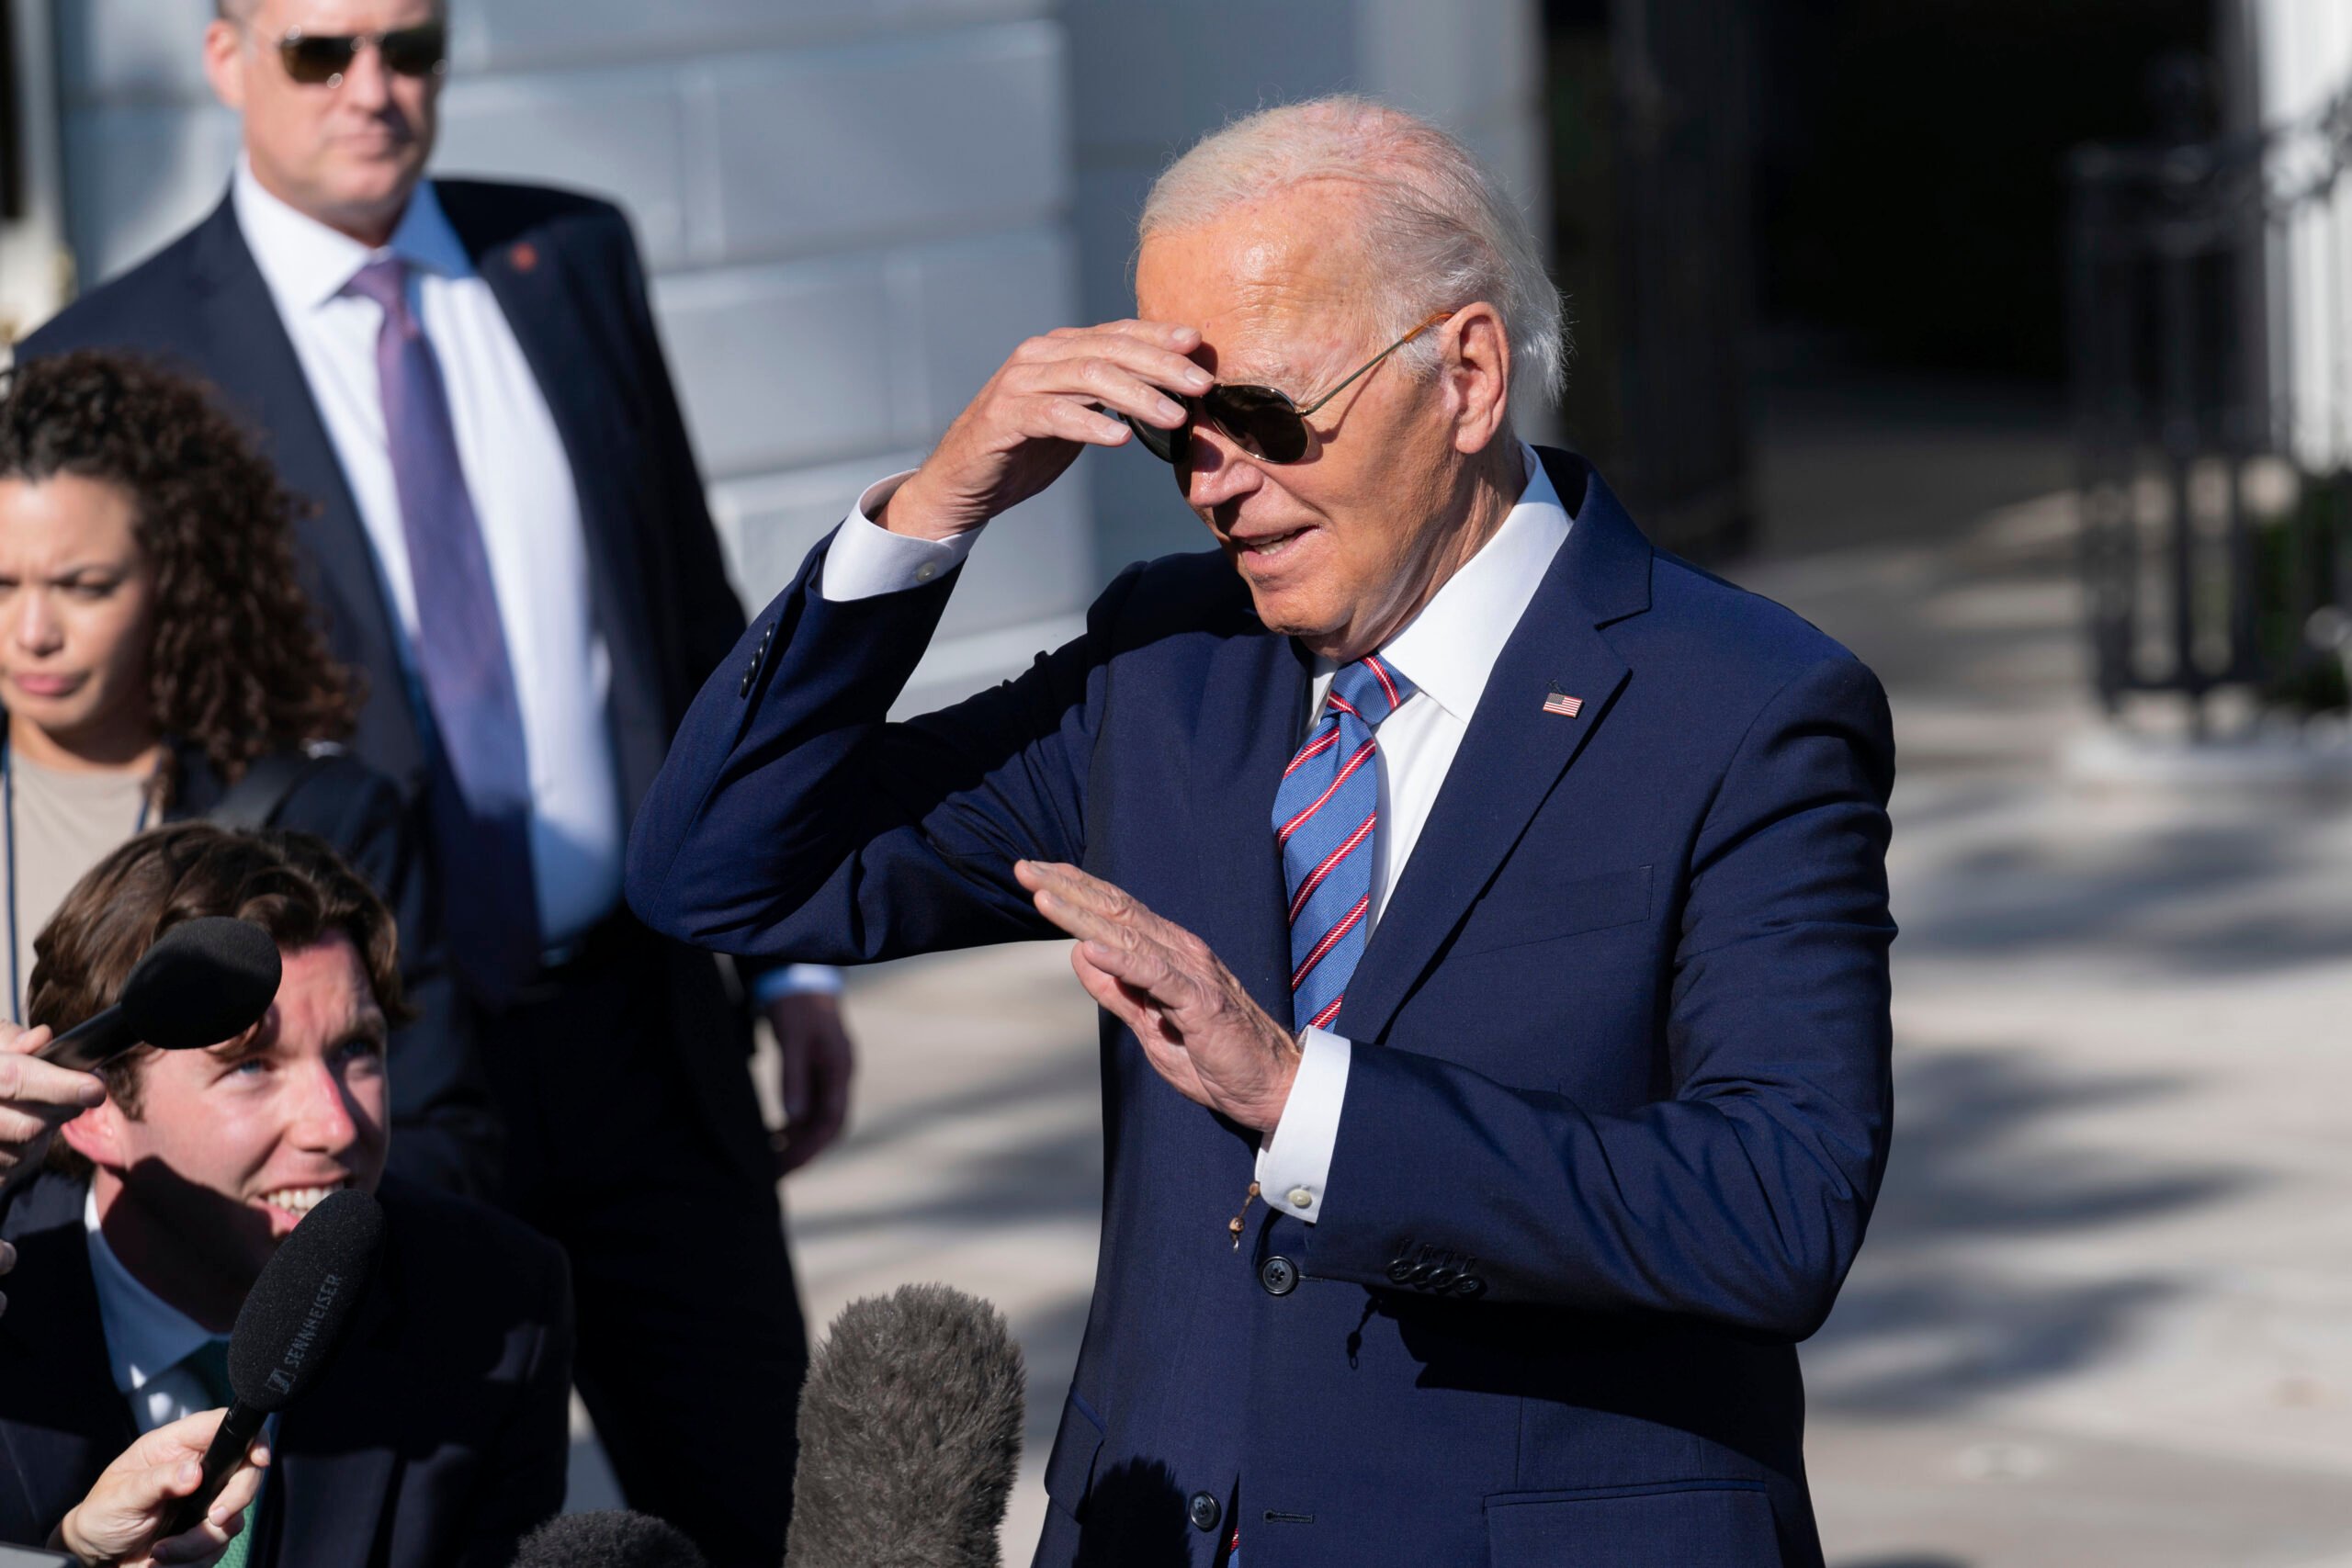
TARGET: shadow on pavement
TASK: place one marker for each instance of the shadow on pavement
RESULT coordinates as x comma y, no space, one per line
1923,1327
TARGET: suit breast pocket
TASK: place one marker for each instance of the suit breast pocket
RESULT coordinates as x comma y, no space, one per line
1679,1524
1516,914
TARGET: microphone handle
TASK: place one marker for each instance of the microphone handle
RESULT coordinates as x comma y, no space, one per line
226,1452
91,1043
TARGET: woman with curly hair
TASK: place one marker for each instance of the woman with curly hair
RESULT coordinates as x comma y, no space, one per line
159,661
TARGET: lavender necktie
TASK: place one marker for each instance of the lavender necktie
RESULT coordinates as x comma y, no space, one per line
479,796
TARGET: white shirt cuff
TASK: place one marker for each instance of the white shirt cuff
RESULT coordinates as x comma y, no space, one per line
1294,1159
796,979
867,560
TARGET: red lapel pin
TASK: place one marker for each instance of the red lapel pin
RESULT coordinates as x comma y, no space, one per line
525,255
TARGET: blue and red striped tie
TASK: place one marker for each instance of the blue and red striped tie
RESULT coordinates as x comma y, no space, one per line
1327,817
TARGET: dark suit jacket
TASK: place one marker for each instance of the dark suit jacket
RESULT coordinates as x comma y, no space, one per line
438,1437
566,274
1619,1104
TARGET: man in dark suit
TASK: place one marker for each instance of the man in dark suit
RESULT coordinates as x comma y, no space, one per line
438,1435
513,544
1505,897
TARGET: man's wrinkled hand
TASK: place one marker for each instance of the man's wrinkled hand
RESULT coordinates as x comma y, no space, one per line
117,1522
1043,407
816,1063
36,1096
1199,1028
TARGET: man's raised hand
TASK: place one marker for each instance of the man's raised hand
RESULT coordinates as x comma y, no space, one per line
1199,1027
1041,407
36,1096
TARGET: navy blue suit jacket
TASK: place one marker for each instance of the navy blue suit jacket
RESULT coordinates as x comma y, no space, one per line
566,275
438,1439
1619,1101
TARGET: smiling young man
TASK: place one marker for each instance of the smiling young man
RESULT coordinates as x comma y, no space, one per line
440,1434
1488,910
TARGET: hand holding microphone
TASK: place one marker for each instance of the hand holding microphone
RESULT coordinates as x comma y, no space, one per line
36,1096
121,1519
288,1330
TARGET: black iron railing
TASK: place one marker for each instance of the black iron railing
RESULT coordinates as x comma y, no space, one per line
2214,518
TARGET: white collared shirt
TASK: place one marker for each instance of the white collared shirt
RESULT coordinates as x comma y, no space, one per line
1447,651
520,479
148,1339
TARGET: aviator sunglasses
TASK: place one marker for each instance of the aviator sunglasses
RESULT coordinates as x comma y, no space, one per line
1262,421
318,60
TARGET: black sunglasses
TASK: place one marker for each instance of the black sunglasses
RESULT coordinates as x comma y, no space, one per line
319,59
1262,421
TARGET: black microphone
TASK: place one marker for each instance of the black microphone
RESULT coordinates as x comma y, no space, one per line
910,1435
205,980
287,1331
608,1540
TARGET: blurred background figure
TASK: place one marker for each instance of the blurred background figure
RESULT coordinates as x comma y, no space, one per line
159,662
1821,260
512,546
437,1435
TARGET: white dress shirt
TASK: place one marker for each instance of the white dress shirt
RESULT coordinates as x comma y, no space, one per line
147,1337
520,479
1446,651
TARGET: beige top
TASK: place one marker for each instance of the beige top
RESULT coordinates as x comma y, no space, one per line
63,824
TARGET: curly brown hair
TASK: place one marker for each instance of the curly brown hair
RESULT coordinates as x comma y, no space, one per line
239,667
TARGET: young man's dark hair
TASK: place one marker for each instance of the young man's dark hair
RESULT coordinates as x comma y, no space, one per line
291,884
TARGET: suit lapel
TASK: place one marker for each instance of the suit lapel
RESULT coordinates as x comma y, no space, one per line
62,1420
1248,716
1514,751
251,359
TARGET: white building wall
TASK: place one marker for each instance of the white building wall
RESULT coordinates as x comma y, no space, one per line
2302,57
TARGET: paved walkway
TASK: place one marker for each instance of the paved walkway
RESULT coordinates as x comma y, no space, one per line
2102,1317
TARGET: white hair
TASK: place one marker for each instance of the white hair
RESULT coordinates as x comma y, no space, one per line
1439,231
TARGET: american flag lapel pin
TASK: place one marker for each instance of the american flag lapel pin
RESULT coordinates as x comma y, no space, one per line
1560,703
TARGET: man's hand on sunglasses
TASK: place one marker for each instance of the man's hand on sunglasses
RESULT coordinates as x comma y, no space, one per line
1057,395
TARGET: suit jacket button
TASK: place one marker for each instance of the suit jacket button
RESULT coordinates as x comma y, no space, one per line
1401,1271
1204,1511
1469,1285
1279,1275
749,676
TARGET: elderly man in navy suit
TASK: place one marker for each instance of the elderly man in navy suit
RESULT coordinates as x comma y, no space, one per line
511,542
1488,910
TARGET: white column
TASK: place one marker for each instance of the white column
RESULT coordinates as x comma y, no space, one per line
2304,58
